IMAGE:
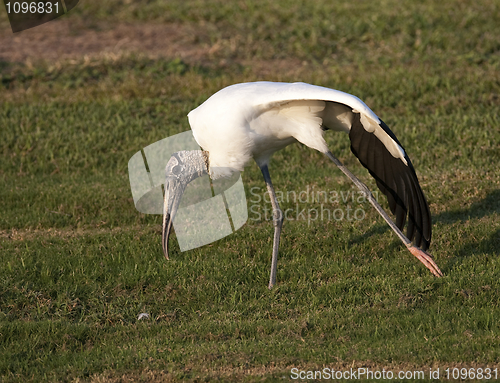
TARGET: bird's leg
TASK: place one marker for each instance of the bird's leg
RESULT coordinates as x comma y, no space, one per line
419,254
277,221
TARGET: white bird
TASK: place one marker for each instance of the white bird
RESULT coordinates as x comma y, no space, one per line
254,120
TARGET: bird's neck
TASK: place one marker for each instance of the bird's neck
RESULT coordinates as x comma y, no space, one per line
193,164
206,160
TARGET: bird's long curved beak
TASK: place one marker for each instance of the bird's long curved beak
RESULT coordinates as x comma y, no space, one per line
173,194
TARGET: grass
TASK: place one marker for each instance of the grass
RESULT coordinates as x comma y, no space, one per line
79,263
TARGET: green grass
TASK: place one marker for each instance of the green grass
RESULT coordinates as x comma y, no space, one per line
79,263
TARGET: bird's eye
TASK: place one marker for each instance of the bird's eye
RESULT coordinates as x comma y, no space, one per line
176,170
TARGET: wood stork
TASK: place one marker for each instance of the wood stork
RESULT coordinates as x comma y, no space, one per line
254,120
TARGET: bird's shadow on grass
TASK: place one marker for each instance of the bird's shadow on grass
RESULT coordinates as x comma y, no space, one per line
479,209
483,208
378,229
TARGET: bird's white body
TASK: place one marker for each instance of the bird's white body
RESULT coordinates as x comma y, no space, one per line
254,120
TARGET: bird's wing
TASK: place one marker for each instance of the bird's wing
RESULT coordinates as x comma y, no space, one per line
395,178
376,147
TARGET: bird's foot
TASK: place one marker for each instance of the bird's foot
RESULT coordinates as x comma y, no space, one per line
426,259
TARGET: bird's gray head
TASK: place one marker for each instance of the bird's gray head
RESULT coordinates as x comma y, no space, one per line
182,168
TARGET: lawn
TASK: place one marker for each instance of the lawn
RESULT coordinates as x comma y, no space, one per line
82,94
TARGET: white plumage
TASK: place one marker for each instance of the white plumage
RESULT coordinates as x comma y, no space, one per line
254,120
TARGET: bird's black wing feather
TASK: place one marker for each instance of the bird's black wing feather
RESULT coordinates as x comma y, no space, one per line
396,180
